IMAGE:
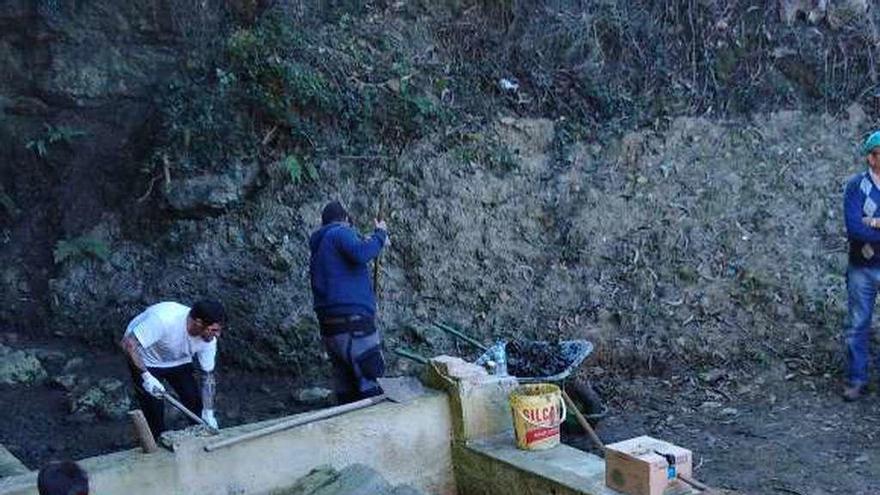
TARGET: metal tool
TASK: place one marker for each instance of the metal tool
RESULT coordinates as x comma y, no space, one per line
399,389
193,416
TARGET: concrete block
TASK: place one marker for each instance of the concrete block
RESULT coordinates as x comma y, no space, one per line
407,443
479,402
494,465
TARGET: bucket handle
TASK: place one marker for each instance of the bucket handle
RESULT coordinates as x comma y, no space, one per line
540,425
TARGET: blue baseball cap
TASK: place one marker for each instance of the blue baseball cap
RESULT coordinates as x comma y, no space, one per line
872,142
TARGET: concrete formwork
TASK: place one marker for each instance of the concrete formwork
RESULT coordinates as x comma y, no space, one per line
407,443
460,442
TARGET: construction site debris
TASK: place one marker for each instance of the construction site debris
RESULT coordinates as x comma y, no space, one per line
534,359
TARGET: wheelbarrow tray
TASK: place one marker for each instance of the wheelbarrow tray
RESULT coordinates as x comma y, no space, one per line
575,350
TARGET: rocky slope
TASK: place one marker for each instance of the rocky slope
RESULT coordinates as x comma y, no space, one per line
667,239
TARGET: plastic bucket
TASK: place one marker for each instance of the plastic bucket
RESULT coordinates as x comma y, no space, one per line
538,410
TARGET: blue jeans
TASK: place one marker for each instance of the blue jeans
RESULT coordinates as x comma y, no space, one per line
861,287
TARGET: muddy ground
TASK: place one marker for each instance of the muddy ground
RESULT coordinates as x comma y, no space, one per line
36,424
766,432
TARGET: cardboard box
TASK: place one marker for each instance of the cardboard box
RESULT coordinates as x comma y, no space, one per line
638,467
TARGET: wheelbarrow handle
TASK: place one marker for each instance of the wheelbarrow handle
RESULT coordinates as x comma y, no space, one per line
460,335
411,355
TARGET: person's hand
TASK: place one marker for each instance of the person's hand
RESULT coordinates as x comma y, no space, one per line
208,417
381,225
152,385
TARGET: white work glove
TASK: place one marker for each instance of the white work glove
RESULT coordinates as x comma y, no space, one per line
381,225
208,416
152,385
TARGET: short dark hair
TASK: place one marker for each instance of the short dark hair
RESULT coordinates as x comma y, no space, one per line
333,212
209,311
63,478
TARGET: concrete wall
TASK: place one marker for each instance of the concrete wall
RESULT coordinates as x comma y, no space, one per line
407,443
495,466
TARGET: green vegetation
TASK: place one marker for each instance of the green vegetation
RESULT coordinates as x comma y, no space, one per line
486,150
52,135
81,247
299,170
274,92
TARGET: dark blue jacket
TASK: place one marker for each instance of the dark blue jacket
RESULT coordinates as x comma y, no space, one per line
340,276
858,233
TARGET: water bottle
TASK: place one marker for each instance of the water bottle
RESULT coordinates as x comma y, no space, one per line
500,359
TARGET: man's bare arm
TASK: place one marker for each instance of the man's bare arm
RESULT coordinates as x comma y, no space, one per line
135,351
209,387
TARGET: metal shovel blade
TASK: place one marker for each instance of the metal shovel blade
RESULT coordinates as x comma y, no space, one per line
401,389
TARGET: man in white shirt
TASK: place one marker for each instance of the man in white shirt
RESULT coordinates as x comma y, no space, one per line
160,344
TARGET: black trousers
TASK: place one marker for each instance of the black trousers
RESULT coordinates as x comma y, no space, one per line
181,379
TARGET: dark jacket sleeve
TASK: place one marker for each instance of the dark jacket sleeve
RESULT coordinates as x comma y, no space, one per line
359,250
853,199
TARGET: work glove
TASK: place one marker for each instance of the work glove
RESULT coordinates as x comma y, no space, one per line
152,385
208,416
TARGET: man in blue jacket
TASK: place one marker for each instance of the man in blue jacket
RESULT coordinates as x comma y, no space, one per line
861,208
344,302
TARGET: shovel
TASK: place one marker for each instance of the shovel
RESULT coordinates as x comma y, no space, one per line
399,389
193,416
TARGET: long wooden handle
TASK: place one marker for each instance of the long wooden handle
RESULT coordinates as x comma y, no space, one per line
142,431
299,421
379,216
180,407
694,483
583,422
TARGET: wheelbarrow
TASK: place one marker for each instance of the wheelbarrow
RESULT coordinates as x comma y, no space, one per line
495,358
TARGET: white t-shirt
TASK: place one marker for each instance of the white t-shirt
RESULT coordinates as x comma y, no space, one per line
161,331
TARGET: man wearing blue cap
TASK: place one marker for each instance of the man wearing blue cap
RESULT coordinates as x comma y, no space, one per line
344,302
861,209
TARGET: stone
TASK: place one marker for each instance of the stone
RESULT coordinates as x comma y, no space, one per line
406,490
108,399
314,396
841,12
65,382
317,478
72,364
210,192
356,479
814,10
51,359
712,376
19,367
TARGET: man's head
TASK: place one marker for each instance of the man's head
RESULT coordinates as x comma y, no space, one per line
871,150
62,478
206,319
333,212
